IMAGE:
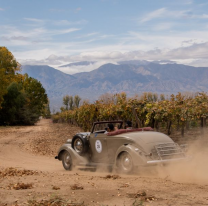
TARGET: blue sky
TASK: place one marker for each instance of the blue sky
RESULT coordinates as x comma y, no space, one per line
59,32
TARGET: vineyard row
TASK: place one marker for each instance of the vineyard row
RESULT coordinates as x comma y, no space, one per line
178,111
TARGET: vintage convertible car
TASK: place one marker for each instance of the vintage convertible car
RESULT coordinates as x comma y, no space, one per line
124,149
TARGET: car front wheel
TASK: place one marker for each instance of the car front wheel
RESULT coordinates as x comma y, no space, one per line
67,160
125,163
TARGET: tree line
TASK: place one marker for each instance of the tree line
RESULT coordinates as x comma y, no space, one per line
70,102
22,98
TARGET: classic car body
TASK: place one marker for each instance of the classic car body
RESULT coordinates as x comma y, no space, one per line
124,149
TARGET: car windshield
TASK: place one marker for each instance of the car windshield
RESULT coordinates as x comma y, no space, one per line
104,126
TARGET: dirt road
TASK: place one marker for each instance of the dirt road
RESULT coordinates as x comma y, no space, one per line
29,173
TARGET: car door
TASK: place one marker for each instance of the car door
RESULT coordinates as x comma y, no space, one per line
98,146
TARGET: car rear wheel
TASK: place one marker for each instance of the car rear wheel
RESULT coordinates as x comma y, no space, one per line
125,163
67,160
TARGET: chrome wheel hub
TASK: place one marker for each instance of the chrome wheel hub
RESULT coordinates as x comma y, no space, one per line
67,160
126,162
78,145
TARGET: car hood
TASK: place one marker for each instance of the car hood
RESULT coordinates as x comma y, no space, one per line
148,139
84,133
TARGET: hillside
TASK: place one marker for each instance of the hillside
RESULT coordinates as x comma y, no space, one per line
132,77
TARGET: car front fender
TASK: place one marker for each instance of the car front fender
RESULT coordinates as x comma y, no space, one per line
77,159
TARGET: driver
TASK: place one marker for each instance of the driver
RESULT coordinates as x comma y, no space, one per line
128,125
110,128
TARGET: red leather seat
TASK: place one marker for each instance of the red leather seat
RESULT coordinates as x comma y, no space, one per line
121,131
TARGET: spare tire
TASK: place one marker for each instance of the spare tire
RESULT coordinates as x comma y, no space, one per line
80,144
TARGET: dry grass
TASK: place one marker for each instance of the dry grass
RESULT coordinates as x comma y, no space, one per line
12,172
136,195
114,177
20,186
55,201
143,196
55,188
76,187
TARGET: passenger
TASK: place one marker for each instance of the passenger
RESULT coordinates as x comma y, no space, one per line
116,127
110,128
128,125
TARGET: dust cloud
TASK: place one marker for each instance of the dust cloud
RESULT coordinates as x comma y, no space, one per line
194,170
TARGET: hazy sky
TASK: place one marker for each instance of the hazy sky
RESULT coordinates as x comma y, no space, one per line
58,32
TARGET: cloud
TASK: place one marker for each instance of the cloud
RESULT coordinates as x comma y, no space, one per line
57,10
77,69
203,4
194,51
34,20
63,31
162,26
78,9
31,36
199,62
1,9
205,16
51,60
41,41
188,42
188,2
18,38
194,16
87,35
195,54
155,14
175,14
66,22
40,22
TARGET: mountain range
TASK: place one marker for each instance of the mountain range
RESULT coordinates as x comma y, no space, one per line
132,77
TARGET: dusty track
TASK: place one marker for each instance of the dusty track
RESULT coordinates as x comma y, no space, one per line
34,148
11,155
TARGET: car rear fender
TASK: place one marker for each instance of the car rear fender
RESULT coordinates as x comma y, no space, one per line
137,156
77,159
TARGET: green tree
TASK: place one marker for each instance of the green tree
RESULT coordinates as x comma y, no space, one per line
162,97
66,101
35,94
77,100
46,111
22,98
24,103
12,107
71,102
8,68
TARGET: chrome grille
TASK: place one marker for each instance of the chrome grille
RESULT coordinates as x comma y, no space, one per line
169,151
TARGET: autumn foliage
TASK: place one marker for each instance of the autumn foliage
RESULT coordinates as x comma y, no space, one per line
175,111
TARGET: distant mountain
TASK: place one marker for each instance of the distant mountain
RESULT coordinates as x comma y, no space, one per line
135,62
83,63
130,77
54,81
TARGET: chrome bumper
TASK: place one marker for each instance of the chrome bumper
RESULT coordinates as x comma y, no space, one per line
168,160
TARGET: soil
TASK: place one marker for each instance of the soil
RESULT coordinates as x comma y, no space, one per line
29,174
